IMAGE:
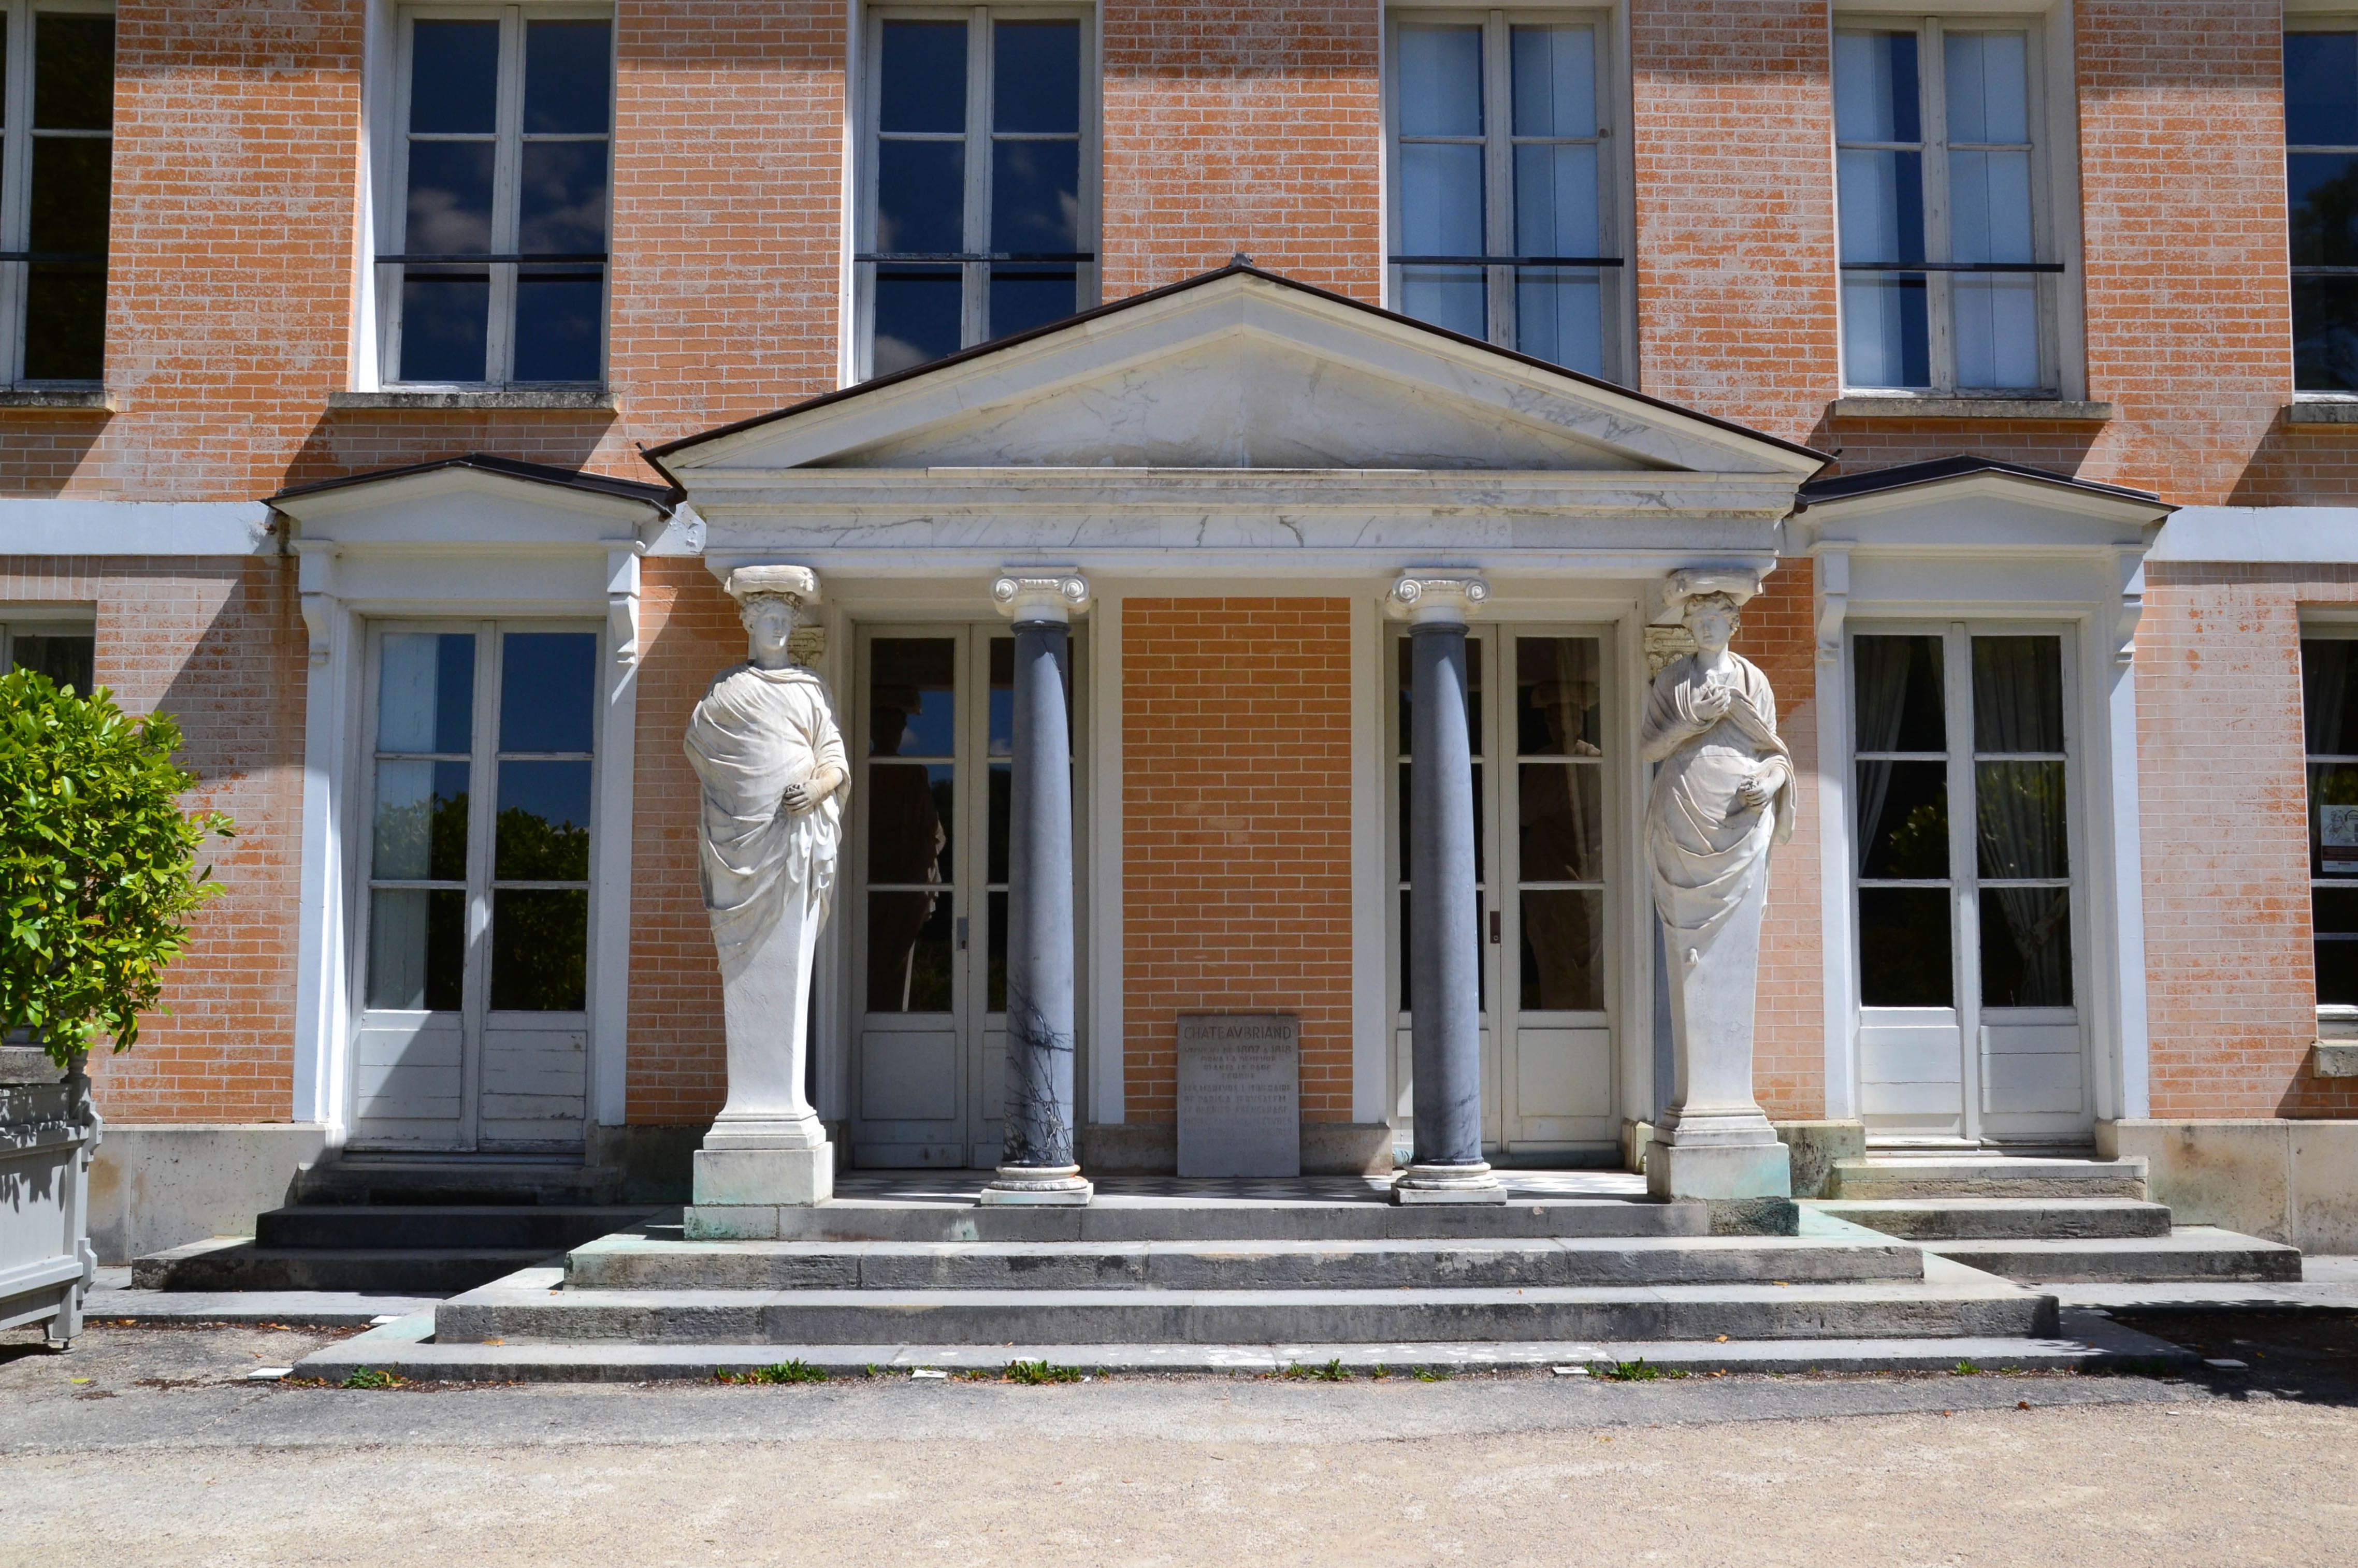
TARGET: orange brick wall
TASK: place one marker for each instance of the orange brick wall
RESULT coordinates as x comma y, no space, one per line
1237,833
1252,126
2223,785
209,643
1734,127
1788,1041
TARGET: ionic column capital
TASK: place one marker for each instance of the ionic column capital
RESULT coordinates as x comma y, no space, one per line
1032,593
1420,598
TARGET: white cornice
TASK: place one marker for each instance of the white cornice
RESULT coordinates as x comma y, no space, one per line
462,509
135,528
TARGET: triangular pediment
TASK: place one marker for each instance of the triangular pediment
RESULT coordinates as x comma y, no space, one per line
1240,370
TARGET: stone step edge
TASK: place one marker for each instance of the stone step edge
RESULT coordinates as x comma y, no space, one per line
2087,1342
305,1309
632,1244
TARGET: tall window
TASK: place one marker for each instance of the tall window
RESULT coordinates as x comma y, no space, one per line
2330,709
57,149
66,652
2322,184
979,218
1501,222
1940,194
497,274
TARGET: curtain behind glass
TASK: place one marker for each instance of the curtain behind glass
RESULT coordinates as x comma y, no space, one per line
2019,820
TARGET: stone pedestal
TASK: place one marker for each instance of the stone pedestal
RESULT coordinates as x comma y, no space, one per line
765,1176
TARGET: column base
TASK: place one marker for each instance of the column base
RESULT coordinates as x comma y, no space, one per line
1447,1185
1037,1186
764,1177
1718,1172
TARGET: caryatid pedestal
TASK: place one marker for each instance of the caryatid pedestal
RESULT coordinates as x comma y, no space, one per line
1039,1162
1445,913
773,773
1722,797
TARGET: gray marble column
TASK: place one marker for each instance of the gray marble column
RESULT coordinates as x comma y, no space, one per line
1039,1162
1445,913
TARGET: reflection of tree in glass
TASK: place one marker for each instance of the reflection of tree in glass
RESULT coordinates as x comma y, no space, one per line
1918,847
539,939
534,849
437,825
2325,222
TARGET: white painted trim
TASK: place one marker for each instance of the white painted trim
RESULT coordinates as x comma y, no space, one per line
1837,945
609,876
2302,536
2111,658
1102,911
321,1018
135,528
1372,895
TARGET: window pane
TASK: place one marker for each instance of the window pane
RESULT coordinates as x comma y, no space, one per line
2336,913
426,692
2322,89
67,659
418,948
1441,199
1555,83
65,321
1557,687
1559,317
908,952
1989,196
450,199
548,684
543,830
1903,821
2324,188
1555,201
70,193
1001,720
566,78
910,806
912,700
454,76
1882,206
1887,337
923,77
540,945
2026,947
2018,815
1000,807
1453,297
1037,88
2017,695
1035,198
1876,87
1997,331
445,327
1900,706
562,199
995,955
918,312
1562,823
1563,950
558,328
1903,948
421,822
2332,820
2325,334
73,71
921,197
2329,695
1441,81
1989,86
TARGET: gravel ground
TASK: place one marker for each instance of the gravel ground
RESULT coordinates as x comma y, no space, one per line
145,1445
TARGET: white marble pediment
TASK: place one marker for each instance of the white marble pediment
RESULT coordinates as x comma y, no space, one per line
1240,370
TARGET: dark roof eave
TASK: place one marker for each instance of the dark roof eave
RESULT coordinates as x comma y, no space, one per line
662,498
1942,471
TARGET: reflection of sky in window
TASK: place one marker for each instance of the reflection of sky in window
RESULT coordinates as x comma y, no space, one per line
547,682
556,793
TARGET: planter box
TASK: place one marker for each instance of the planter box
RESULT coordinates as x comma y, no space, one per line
46,1266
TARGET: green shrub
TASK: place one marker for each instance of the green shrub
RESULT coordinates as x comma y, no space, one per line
96,863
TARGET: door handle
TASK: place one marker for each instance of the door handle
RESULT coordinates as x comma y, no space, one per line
961,932
1495,919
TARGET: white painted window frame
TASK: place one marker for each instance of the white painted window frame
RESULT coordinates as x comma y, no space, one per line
1616,182
2322,625
16,137
981,75
392,194
2051,239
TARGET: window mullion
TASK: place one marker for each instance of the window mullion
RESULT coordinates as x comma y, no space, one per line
482,820
15,183
1940,291
1499,175
507,161
976,296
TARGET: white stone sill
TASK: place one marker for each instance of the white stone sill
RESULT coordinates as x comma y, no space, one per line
58,399
586,397
1880,406
2318,412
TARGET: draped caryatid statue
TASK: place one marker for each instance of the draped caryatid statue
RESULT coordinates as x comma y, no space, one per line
771,763
1722,796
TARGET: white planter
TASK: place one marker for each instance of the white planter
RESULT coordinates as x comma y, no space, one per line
48,1132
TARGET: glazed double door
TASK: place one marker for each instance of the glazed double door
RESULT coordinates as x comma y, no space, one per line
935,733
1541,731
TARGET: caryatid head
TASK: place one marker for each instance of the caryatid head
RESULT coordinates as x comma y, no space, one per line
1707,600
771,600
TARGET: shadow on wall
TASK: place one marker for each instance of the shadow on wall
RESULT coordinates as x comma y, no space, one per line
41,455
1862,446
359,440
2307,467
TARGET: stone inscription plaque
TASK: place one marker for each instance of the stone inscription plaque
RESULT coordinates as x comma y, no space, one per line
1239,1094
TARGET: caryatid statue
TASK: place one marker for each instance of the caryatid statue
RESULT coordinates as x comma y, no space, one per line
1722,796
775,775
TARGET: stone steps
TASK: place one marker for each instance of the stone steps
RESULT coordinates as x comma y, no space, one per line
235,1263
634,1262
1114,1220
550,1228
1949,1301
426,1181
2188,1252
1986,1176
1963,1219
